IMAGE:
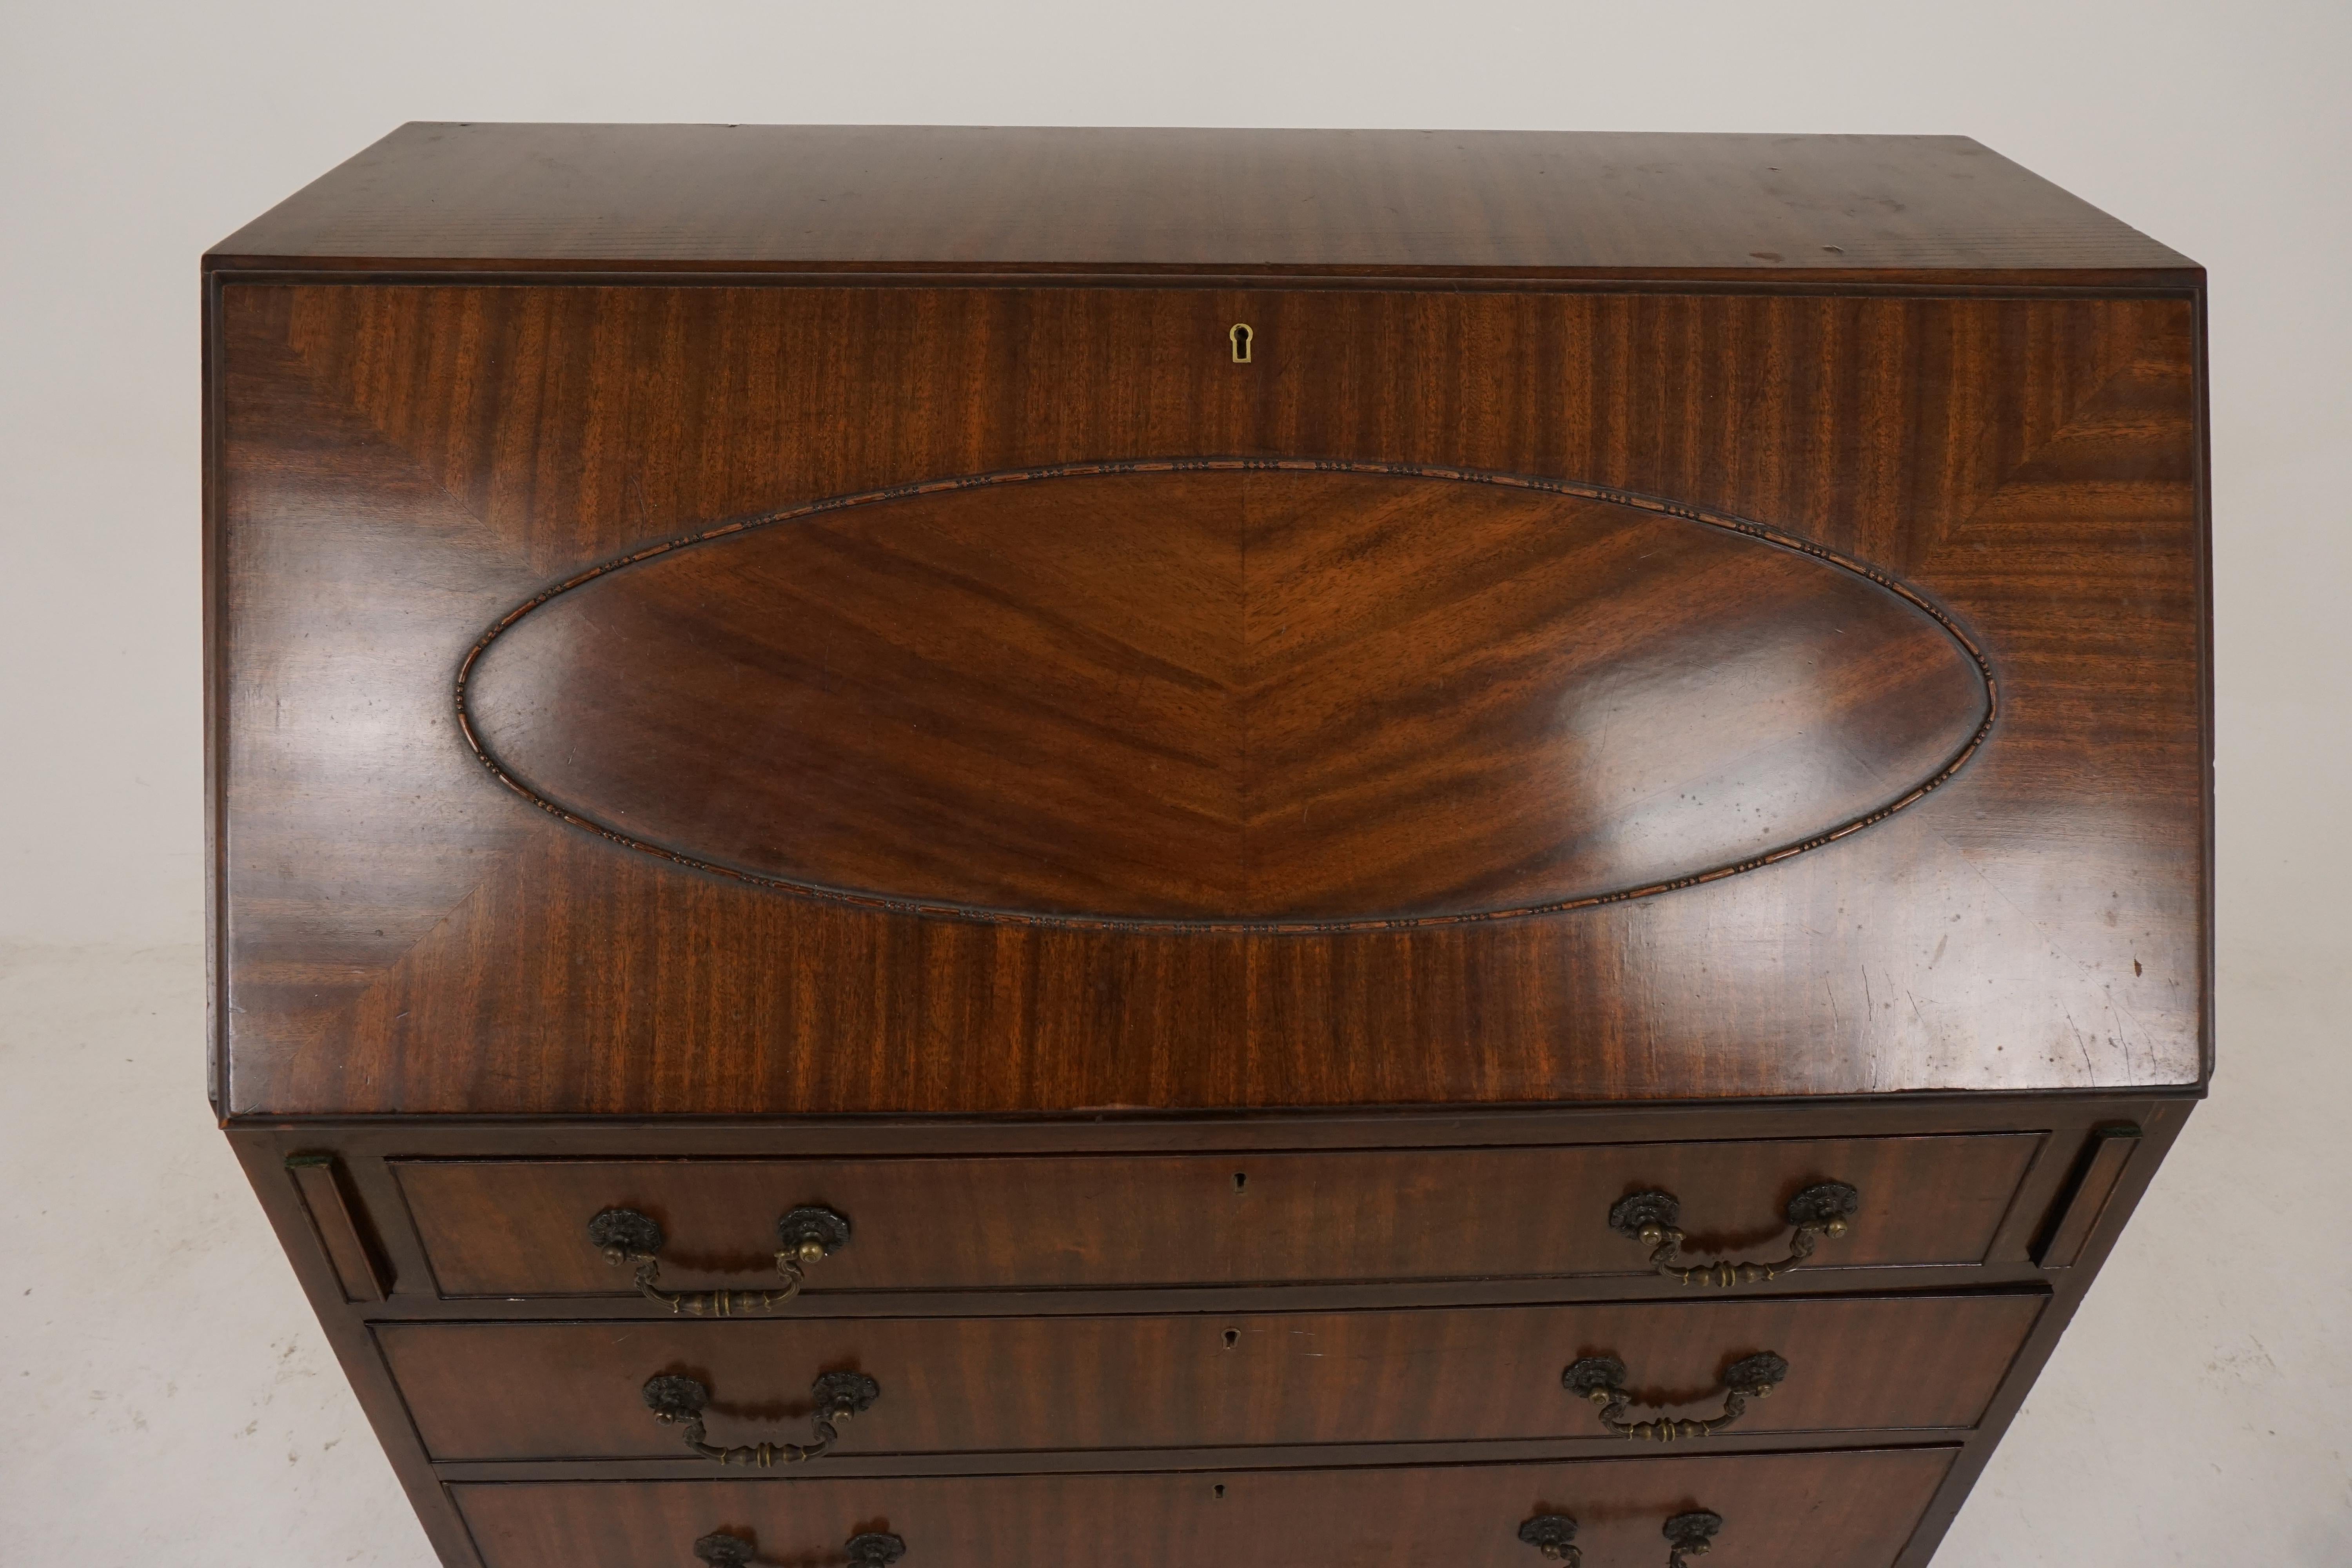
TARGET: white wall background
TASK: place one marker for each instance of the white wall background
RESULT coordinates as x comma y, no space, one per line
170,1398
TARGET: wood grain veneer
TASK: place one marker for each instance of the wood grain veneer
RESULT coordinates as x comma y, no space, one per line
520,1228
1442,203
1220,693
751,667
400,467
519,1391
1789,1511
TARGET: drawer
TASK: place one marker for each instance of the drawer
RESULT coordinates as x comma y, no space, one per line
1852,1510
573,1390
519,1227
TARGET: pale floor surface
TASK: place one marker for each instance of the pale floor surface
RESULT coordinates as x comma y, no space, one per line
173,1402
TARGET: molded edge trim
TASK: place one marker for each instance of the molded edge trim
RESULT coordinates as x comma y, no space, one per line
937,908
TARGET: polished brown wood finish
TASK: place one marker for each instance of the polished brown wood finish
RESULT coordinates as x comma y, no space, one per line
502,1228
752,668
1228,694
1437,204
1794,1511
2103,1165
486,957
2071,1125
319,1178
517,1391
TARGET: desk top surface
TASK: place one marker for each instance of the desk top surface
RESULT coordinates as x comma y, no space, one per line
1526,205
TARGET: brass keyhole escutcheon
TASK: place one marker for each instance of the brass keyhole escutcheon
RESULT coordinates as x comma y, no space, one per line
1240,334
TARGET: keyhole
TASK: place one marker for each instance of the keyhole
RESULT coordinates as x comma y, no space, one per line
1221,1489
1232,1338
1241,1181
1241,336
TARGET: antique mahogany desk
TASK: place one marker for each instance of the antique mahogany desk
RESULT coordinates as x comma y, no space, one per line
1193,849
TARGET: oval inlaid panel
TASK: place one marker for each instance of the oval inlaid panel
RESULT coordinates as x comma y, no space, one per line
1234,692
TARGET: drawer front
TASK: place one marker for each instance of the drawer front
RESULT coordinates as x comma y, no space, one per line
518,1228
572,1391
1854,1510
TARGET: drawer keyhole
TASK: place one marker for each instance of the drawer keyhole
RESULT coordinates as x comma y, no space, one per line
1241,335
1241,1181
1232,1338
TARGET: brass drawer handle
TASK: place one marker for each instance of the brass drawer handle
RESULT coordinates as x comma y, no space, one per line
802,1237
873,1549
1687,1535
1690,1535
679,1400
1650,1218
1602,1379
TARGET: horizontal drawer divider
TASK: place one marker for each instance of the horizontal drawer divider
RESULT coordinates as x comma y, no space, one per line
1942,1279
685,1470
1210,1300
